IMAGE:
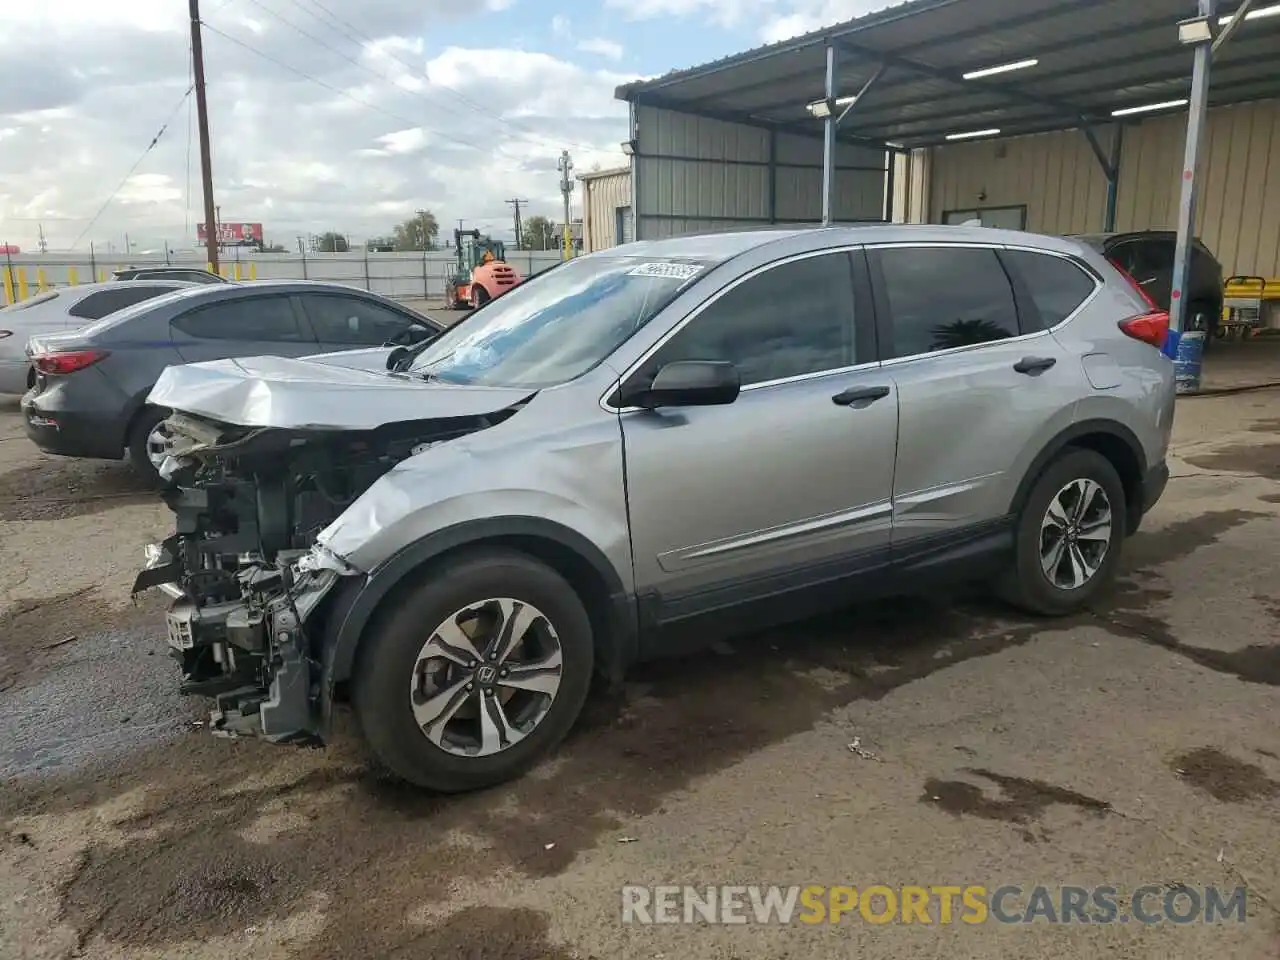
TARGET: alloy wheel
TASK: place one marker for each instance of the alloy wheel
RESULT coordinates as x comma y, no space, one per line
1075,534
158,441
486,677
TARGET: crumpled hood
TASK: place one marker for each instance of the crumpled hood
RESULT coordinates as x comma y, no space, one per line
313,394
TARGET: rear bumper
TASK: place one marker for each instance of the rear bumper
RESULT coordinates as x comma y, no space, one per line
1153,486
66,429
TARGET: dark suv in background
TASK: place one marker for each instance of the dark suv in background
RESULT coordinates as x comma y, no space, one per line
1148,255
185,274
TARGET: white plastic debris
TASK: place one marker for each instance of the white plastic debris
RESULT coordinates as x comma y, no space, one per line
860,750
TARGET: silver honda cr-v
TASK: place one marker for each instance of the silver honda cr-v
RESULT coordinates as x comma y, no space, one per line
640,450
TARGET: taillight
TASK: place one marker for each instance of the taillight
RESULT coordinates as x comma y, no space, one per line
1152,328
53,364
1142,291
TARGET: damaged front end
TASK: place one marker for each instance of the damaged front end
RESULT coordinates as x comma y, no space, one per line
249,582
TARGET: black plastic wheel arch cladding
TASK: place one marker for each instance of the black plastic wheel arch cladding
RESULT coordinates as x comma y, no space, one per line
1132,475
356,600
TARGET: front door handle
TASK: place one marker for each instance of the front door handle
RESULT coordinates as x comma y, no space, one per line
1033,365
855,394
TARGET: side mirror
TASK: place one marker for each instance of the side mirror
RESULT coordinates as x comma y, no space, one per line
397,357
693,383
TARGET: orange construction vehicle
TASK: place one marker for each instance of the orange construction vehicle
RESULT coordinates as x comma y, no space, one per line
481,272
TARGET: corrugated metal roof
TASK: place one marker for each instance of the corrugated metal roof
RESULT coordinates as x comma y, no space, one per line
1095,56
599,174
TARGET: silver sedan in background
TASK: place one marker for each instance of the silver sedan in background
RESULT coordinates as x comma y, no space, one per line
61,310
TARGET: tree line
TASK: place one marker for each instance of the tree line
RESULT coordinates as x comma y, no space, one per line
421,232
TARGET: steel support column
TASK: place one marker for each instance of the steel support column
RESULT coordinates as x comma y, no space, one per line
1113,178
1189,380
829,138
773,176
633,130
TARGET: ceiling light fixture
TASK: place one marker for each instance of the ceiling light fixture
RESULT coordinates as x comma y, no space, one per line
1003,68
1271,11
820,110
1149,107
971,134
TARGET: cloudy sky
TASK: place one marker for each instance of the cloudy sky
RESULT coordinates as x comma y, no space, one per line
332,114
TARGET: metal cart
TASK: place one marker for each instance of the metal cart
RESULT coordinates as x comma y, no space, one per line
1245,306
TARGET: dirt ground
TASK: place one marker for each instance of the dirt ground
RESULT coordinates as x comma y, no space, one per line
1136,744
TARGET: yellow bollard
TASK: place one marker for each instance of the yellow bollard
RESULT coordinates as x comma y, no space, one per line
8,285
253,271
237,270
102,276
41,282
209,266
72,279
22,283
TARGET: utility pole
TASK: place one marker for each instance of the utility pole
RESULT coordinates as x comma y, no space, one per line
519,228
202,121
566,189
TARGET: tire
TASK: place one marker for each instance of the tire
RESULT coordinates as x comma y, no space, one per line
479,296
1026,584
138,440
1212,318
389,677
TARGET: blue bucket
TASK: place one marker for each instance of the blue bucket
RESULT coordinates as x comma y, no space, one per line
1186,348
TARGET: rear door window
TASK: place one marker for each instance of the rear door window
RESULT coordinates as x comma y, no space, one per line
943,297
98,305
269,319
1056,286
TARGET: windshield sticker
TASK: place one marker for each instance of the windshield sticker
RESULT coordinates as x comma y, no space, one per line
671,271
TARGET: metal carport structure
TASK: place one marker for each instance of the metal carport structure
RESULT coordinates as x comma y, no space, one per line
931,72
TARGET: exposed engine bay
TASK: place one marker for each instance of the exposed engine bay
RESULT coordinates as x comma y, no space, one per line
242,566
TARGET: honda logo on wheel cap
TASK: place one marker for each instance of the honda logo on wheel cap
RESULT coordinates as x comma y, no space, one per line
487,674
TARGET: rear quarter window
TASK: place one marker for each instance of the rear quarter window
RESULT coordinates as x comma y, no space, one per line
1057,286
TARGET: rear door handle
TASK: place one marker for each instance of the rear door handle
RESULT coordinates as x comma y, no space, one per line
855,394
1034,365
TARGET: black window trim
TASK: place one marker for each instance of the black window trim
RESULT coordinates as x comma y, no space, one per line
300,315
864,332
884,323
418,319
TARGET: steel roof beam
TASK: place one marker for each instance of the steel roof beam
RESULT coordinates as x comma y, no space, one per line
1001,89
726,116
1114,33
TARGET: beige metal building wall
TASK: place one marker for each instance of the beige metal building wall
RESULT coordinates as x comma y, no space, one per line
605,194
694,174
1058,179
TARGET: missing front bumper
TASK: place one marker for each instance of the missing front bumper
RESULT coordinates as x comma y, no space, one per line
252,655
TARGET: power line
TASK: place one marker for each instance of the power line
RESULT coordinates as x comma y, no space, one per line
136,164
347,30
340,92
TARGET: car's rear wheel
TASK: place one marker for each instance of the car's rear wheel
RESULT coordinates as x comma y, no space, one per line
149,443
476,674
1068,536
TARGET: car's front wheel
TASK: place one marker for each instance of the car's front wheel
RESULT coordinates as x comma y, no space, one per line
149,443
476,674
1068,536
